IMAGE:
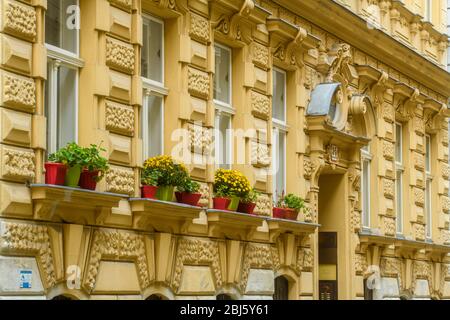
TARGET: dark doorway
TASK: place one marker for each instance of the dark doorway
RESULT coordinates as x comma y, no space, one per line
281,289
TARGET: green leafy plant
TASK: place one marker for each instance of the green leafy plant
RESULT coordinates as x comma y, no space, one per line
71,155
292,201
93,160
221,192
170,173
189,186
251,196
150,178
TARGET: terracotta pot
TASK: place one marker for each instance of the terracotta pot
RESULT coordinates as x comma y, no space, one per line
149,192
55,173
278,213
290,214
246,207
191,199
87,180
221,203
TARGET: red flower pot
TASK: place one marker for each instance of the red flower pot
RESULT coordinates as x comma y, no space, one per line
246,207
87,180
290,214
221,203
149,192
191,199
55,173
278,213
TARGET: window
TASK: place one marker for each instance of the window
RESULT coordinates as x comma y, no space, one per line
428,182
223,140
222,75
399,176
279,96
224,110
279,133
365,186
152,65
152,59
61,24
61,87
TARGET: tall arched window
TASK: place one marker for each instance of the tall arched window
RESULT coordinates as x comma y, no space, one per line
365,186
281,289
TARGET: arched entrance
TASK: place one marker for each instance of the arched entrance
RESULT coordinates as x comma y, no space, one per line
340,123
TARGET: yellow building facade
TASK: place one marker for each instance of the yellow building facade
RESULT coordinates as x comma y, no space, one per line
343,103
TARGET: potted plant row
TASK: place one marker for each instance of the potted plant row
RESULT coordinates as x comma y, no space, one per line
230,188
288,207
161,175
76,166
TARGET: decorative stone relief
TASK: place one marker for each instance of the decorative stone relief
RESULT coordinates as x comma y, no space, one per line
260,105
120,180
120,55
200,28
390,267
419,161
198,83
18,164
419,197
260,154
28,239
260,55
445,204
197,252
445,171
419,231
360,264
356,220
307,168
305,259
388,113
389,188
419,126
389,226
205,192
256,256
18,92
263,205
124,4
200,139
388,150
20,20
119,118
117,246
421,270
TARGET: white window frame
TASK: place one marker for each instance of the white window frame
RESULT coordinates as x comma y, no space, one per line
62,53
153,88
277,121
278,129
163,49
399,168
428,188
366,157
56,58
428,10
229,138
223,104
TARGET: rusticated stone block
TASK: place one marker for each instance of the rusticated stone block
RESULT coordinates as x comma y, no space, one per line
15,127
119,86
16,54
120,55
19,20
198,83
119,149
17,164
120,180
119,118
17,92
15,200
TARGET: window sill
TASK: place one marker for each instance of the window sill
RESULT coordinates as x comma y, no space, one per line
72,205
169,217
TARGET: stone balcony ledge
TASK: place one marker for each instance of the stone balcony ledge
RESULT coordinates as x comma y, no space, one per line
280,226
171,217
73,205
406,246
